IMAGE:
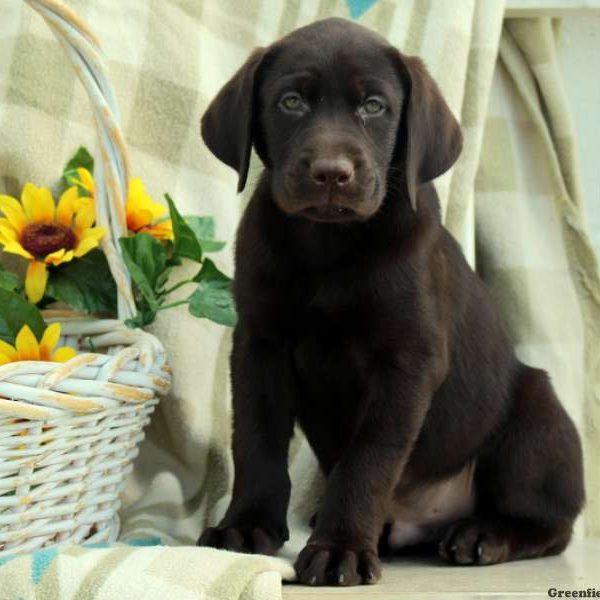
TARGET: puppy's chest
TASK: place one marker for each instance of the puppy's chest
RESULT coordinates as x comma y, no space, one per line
333,339
330,360
334,333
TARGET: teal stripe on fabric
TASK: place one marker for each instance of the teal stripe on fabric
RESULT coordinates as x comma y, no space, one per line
41,559
40,562
358,8
150,541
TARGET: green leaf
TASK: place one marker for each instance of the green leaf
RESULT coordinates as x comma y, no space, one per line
203,227
212,298
212,245
81,158
8,281
86,284
163,279
186,243
142,319
146,259
204,230
210,271
15,312
174,261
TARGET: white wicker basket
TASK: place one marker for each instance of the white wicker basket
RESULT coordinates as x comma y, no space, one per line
69,432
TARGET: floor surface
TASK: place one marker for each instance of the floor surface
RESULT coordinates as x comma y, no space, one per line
425,579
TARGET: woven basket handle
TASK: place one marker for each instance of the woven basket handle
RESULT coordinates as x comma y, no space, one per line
112,171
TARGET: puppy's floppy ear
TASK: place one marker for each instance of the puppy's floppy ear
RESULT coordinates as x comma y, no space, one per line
430,134
227,124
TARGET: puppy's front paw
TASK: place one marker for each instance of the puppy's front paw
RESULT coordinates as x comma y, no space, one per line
331,563
255,540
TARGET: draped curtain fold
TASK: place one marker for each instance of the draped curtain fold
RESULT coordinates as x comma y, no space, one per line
533,249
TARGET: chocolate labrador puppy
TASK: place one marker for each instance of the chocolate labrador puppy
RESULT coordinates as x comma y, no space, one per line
360,319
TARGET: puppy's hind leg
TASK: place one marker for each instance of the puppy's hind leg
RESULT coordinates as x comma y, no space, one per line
529,483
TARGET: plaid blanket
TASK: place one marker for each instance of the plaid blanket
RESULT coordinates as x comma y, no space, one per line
512,200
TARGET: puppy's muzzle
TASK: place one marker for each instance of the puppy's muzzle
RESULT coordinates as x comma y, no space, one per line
333,187
332,173
330,178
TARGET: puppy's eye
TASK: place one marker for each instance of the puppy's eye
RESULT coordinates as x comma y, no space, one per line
292,102
373,106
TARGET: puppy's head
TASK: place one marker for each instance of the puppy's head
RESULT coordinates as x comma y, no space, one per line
334,112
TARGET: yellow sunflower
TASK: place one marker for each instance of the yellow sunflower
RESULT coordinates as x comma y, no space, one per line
85,180
46,234
144,215
27,347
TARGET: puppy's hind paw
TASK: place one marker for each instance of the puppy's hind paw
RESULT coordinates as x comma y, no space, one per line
474,542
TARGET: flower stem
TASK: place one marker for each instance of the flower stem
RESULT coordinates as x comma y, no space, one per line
172,305
177,286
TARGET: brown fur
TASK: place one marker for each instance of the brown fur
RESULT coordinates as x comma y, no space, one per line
360,319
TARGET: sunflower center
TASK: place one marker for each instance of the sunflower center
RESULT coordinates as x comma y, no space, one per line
41,239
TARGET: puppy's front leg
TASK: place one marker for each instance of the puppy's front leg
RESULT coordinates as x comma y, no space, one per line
263,425
343,547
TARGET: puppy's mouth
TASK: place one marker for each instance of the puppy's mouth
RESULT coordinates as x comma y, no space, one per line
330,213
294,199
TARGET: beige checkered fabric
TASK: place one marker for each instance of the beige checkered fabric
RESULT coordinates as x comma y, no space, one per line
512,200
532,247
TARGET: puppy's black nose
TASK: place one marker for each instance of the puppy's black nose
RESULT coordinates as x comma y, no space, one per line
332,172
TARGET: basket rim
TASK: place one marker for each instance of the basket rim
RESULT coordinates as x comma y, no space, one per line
132,370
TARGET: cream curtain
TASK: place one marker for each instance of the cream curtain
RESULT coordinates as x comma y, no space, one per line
532,245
